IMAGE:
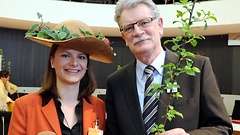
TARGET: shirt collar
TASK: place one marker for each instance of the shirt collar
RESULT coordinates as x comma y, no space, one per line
157,63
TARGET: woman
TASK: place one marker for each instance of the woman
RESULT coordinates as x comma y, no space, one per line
5,87
64,105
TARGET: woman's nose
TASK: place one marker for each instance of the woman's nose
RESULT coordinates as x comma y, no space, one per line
73,62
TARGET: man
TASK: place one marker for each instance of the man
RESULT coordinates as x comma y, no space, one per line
202,107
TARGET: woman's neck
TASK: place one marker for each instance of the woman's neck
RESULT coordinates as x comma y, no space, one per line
68,93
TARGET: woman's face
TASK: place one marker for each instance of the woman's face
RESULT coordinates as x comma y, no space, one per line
5,80
70,65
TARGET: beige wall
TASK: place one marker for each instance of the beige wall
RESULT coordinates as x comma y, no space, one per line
21,14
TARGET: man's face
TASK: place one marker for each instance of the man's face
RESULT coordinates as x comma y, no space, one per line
140,38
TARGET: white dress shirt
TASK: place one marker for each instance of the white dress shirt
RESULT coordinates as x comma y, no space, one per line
141,77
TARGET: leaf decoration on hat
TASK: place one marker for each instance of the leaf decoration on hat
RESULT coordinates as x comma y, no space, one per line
85,33
100,35
103,38
43,31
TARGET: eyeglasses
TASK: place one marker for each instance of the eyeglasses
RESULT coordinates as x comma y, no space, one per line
146,22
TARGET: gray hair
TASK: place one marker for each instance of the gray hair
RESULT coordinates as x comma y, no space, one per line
125,4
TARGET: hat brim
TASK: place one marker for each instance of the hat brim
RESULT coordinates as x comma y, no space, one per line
97,49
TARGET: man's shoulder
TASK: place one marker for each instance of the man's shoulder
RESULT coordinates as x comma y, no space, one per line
126,69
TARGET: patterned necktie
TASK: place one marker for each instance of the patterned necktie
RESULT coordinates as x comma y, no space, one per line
150,102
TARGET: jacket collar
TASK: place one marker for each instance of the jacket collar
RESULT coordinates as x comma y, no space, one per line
50,112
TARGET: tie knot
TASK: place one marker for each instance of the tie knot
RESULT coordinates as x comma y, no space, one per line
149,69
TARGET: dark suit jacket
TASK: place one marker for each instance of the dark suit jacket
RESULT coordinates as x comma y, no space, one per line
33,114
202,107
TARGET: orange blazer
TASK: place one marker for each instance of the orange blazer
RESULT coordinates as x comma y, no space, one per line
34,113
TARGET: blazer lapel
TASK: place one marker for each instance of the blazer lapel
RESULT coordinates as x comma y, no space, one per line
89,116
164,97
130,93
49,111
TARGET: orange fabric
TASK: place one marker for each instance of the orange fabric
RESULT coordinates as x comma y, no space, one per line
29,117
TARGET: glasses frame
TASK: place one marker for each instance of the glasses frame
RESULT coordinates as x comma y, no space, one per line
139,23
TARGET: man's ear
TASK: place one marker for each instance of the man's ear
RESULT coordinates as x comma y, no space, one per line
160,24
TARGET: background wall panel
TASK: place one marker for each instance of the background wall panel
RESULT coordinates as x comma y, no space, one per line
29,59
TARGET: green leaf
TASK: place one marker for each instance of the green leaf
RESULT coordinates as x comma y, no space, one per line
199,14
100,35
179,13
190,72
195,19
177,95
158,128
195,69
167,41
190,54
175,47
85,33
175,22
73,36
193,42
45,28
81,31
39,15
31,34
179,38
172,112
61,35
41,34
184,1
32,30
205,26
213,18
51,34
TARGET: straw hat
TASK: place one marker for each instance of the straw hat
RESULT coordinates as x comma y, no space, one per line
95,47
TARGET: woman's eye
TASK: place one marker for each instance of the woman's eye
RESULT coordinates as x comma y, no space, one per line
82,57
64,55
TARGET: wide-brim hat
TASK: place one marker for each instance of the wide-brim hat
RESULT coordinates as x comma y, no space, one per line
97,49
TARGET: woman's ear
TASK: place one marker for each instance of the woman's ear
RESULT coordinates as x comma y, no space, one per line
51,62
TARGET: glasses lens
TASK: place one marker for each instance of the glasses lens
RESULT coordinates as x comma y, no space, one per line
145,22
142,23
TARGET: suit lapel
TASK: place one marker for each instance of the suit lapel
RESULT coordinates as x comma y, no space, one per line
49,111
164,97
130,93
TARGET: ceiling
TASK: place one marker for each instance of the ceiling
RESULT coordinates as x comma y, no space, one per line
22,15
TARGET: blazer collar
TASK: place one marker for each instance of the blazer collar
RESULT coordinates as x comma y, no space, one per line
50,112
170,56
173,58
